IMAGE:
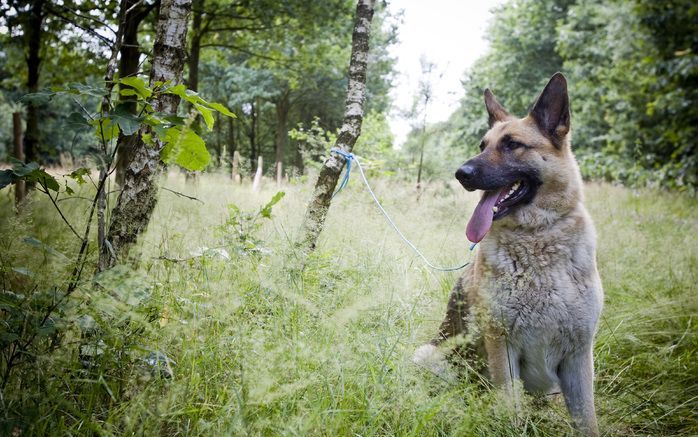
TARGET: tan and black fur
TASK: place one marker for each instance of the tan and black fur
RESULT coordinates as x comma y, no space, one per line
533,289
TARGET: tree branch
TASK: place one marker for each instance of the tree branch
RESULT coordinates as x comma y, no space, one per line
83,28
48,193
182,195
247,52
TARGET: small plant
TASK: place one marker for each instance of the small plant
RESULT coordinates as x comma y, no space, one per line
313,142
240,229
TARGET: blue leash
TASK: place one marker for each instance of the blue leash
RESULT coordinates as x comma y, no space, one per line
349,157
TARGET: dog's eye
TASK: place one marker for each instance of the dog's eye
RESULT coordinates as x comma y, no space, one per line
482,146
513,145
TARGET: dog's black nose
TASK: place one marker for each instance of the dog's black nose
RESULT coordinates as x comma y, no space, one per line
465,173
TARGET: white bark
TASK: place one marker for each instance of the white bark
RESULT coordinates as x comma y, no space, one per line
351,128
137,200
257,182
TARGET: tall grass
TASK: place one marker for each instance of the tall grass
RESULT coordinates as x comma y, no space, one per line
263,345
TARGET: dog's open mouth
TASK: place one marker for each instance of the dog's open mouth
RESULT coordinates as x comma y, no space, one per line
494,205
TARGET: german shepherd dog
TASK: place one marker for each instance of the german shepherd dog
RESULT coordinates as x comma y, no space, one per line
533,290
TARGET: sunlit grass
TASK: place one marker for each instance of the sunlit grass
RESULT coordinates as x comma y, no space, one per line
263,346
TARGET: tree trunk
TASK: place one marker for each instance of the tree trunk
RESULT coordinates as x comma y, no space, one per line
351,128
253,135
232,145
32,34
236,167
282,107
195,46
257,181
219,146
128,66
137,199
20,189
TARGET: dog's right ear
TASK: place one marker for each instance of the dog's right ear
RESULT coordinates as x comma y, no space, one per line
552,109
494,109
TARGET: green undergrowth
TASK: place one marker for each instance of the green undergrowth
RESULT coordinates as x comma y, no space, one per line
225,330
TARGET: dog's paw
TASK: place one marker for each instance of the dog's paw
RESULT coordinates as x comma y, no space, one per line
430,357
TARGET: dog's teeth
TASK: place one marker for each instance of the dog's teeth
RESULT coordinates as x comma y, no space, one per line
495,209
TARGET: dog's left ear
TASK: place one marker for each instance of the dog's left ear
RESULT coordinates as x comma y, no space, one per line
552,109
495,110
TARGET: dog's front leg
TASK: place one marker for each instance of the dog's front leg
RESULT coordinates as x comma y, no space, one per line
576,375
503,364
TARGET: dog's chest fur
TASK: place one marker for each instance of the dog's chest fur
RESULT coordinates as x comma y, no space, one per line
543,290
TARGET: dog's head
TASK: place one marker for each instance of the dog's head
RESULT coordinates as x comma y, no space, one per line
526,167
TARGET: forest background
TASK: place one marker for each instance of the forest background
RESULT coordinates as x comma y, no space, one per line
281,68
223,326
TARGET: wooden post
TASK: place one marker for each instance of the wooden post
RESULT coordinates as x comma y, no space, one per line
279,173
236,167
20,188
257,183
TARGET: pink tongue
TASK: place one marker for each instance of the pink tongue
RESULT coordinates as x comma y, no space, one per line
481,221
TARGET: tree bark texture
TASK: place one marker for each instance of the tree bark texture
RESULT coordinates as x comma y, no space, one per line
20,191
128,67
283,105
351,128
138,197
32,34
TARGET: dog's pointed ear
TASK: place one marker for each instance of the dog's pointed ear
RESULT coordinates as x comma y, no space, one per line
494,109
552,109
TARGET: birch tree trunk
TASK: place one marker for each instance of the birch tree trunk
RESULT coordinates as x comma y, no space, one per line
128,66
351,128
137,199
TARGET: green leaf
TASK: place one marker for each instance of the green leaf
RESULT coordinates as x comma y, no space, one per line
184,148
185,94
195,99
128,122
21,169
46,329
38,98
105,129
206,113
222,109
266,209
128,92
31,241
8,337
78,175
28,172
85,90
7,177
44,179
23,271
138,85
77,121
